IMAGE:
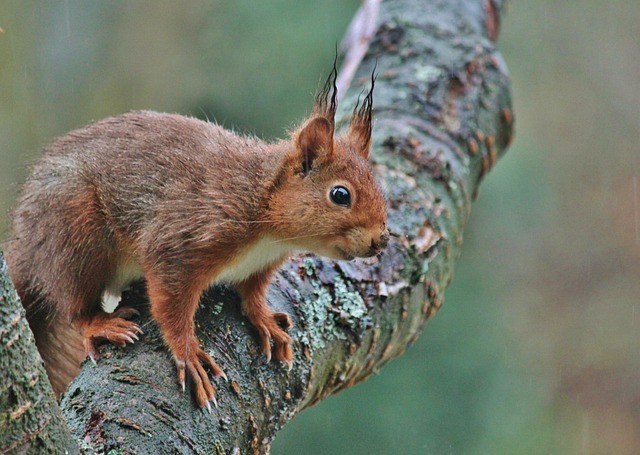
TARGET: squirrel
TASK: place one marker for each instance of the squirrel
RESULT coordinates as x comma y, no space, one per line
184,204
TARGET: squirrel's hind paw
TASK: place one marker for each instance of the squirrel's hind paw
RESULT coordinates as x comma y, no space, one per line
112,328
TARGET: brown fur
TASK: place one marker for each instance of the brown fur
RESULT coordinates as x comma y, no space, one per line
188,203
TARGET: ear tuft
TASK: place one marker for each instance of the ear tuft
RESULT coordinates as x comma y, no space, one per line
314,143
362,121
326,100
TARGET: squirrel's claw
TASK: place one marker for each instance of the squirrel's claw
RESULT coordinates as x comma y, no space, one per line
91,350
181,374
206,359
194,364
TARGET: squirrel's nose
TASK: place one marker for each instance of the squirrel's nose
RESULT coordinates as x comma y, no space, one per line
379,245
384,239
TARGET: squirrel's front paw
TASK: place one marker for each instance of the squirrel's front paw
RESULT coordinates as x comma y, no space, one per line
274,327
193,361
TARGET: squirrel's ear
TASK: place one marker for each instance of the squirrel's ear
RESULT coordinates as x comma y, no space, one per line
314,143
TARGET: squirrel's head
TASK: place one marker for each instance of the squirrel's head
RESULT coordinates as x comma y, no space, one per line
327,199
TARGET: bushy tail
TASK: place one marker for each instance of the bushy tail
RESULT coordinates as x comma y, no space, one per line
59,344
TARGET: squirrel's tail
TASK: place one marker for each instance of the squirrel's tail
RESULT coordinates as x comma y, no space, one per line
59,343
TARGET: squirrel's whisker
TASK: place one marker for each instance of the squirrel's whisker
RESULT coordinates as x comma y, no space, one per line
298,237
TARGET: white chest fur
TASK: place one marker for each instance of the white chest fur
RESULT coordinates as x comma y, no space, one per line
254,258
128,272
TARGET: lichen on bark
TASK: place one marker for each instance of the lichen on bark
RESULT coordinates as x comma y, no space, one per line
442,119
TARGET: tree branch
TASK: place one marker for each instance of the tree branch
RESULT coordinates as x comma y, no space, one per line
356,42
442,120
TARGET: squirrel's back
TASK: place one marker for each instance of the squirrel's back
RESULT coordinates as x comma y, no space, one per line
116,177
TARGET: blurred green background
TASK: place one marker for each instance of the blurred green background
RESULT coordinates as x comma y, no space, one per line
536,350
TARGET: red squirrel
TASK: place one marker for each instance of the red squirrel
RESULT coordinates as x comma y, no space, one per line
184,203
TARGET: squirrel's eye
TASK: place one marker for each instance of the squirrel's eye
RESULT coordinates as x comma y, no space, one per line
340,195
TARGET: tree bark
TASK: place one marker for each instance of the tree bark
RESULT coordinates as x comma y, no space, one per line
30,419
442,118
